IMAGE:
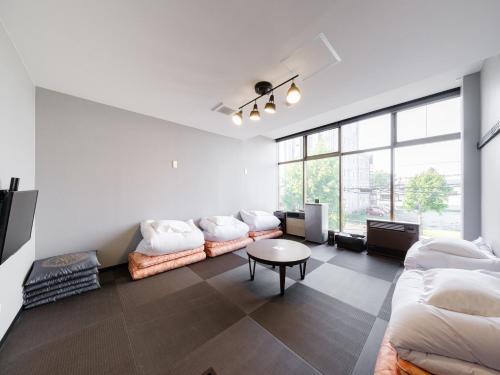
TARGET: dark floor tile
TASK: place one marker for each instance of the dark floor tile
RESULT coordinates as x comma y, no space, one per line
386,309
166,330
327,333
102,348
368,357
214,266
139,292
248,294
372,265
46,323
294,272
244,348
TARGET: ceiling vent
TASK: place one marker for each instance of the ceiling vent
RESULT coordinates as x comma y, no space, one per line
224,109
312,57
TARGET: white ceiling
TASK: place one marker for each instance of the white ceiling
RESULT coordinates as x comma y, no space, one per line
177,59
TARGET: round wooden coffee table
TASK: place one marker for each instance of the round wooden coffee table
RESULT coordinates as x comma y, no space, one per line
281,253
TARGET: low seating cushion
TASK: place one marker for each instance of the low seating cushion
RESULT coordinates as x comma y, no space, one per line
214,249
262,235
141,273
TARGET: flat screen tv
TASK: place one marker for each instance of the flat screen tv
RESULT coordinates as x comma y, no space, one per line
17,211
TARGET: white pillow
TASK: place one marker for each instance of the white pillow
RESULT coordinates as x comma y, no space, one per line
259,220
464,291
212,232
166,226
483,245
221,220
454,246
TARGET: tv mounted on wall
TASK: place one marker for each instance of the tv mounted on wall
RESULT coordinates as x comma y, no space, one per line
17,211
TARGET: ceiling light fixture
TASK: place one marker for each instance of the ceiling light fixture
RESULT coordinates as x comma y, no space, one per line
293,94
255,114
238,117
264,88
270,106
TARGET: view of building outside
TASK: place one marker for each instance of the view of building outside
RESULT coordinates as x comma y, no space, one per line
427,174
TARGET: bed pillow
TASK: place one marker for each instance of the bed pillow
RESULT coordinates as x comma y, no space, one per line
259,220
483,245
172,226
221,220
464,291
233,229
454,246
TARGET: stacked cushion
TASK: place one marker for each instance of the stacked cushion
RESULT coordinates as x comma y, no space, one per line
263,234
61,276
166,244
215,248
141,266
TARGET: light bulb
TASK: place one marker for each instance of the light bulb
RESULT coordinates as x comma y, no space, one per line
293,95
270,106
255,115
238,118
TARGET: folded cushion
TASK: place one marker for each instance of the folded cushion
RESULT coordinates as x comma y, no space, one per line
267,234
259,220
62,295
62,265
211,244
228,247
61,291
170,241
144,261
140,273
468,292
455,247
61,279
61,286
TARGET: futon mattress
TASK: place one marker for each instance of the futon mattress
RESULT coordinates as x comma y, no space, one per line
214,249
261,235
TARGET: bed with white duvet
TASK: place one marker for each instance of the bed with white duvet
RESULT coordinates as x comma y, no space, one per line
447,321
452,253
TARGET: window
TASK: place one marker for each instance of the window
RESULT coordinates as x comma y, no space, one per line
429,120
323,142
370,133
366,189
411,175
427,187
291,186
322,182
291,149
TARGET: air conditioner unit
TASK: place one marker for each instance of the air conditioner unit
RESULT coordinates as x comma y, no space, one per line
391,238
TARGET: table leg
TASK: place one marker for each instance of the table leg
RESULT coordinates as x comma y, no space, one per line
252,272
282,279
303,270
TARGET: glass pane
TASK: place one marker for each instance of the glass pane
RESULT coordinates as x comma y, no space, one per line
370,133
366,184
322,182
290,186
291,149
323,142
429,120
427,187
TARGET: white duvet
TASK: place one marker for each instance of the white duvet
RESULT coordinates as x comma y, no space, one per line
223,228
424,259
441,341
169,236
259,220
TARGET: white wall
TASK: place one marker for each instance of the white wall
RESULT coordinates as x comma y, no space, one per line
490,154
101,170
17,159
